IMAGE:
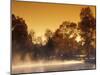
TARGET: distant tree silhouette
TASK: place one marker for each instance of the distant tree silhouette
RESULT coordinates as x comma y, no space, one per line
32,35
49,47
48,34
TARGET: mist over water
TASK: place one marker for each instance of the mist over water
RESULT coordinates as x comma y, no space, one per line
41,65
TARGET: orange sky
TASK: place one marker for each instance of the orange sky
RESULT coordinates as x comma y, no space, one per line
42,16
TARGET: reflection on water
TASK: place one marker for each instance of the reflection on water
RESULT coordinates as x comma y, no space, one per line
55,65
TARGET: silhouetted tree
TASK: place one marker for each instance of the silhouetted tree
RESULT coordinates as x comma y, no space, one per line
48,34
49,47
64,42
21,41
87,25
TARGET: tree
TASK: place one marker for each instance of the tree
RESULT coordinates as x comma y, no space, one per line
49,46
48,34
21,40
87,25
64,41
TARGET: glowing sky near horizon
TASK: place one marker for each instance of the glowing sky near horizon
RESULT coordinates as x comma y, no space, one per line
42,16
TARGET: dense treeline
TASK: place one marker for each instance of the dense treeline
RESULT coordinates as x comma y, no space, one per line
67,42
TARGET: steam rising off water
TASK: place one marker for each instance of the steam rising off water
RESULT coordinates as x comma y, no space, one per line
28,65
